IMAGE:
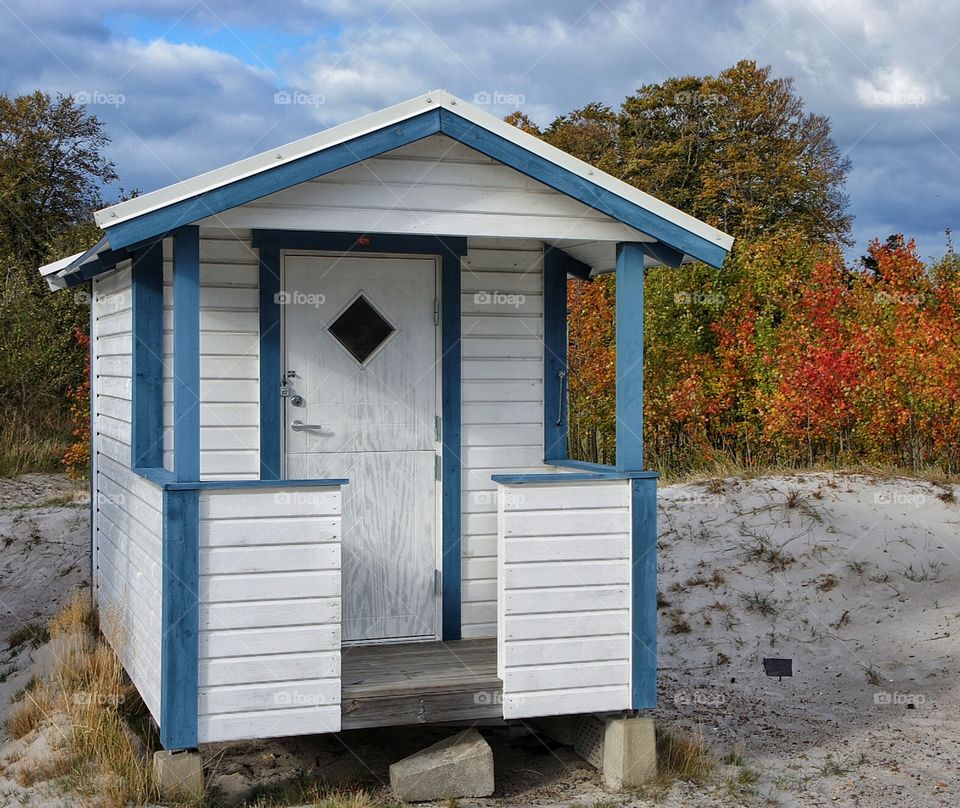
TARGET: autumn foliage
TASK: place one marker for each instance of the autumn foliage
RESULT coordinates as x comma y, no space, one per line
76,459
786,357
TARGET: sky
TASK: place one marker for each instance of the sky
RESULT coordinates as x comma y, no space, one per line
184,87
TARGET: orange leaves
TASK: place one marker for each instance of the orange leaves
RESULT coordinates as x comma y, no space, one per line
807,360
76,459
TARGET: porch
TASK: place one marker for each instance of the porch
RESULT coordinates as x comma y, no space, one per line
420,683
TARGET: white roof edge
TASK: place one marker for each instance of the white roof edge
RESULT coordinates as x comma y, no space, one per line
249,166
587,171
61,264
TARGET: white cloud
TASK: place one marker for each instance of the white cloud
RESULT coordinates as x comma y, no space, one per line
896,87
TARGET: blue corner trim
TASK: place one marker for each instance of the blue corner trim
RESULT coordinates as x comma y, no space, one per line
242,485
180,620
554,354
629,374
572,477
146,443
165,480
559,178
272,180
186,353
450,249
644,593
271,370
583,465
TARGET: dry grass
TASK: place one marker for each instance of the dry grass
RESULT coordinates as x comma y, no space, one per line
712,474
682,756
84,700
24,448
317,795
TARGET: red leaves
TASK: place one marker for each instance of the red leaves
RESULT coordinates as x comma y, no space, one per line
810,362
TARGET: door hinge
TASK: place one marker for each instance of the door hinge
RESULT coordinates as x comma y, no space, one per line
437,467
437,582
437,428
436,311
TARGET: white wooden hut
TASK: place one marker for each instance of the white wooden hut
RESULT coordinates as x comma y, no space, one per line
332,487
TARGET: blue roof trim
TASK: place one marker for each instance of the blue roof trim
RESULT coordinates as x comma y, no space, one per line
560,179
209,203
276,179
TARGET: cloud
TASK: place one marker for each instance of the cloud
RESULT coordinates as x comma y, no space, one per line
198,81
896,87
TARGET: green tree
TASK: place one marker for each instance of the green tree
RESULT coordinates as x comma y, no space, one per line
52,171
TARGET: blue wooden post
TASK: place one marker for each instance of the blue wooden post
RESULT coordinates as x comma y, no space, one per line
186,354
271,369
452,502
554,355
629,325
147,394
179,649
644,593
181,516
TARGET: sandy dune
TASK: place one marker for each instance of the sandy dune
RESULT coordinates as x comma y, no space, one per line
855,579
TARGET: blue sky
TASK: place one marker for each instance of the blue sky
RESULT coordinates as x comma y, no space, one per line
186,86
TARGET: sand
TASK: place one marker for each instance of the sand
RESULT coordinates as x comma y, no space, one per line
855,579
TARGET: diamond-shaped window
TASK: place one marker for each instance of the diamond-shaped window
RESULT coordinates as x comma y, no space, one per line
361,329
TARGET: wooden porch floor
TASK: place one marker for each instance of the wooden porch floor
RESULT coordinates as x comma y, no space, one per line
420,683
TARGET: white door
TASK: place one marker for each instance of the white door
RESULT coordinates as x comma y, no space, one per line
361,363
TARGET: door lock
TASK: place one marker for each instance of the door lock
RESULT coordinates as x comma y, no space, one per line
296,401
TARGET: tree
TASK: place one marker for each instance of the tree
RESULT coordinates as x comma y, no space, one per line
52,170
737,150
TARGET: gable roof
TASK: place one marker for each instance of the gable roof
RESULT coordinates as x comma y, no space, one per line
151,215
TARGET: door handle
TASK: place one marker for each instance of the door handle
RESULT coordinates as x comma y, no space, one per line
299,426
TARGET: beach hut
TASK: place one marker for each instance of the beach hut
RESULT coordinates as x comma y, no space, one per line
331,483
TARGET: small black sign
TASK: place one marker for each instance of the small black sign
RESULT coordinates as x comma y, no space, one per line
775,666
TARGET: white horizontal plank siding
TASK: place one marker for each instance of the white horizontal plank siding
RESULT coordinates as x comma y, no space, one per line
502,400
564,597
127,510
269,613
229,356
435,185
